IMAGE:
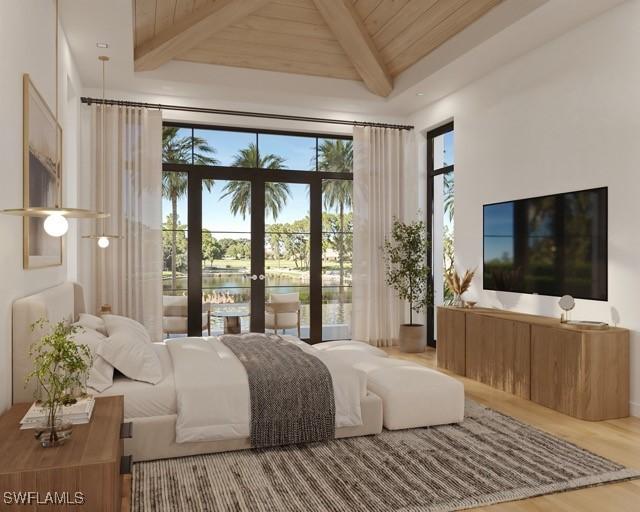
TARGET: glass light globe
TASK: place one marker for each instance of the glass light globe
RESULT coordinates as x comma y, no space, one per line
56,225
103,242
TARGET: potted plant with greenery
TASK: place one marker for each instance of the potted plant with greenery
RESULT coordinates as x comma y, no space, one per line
60,367
408,274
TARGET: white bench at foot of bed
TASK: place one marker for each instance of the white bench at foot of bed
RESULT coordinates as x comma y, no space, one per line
412,395
415,396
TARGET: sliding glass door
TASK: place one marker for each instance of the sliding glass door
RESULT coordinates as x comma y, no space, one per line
262,230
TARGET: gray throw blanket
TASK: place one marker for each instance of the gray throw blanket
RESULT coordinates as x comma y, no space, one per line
291,391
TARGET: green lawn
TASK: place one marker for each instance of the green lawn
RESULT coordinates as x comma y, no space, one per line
287,266
227,263
270,264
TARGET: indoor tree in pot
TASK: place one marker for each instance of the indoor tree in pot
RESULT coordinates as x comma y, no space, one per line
408,274
60,367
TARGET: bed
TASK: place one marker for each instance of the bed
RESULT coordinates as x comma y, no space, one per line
152,408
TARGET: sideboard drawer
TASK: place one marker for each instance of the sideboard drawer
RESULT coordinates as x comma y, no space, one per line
450,345
498,353
583,375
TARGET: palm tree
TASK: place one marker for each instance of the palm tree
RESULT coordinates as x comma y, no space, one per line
176,148
337,156
447,237
276,193
274,235
448,195
180,149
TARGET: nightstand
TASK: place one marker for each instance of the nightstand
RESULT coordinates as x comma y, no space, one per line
87,468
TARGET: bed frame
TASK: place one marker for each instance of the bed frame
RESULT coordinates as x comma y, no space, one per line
153,437
62,302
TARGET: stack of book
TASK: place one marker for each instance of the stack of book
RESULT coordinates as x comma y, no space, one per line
77,413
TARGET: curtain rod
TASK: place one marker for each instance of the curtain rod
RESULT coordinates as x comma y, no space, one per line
240,113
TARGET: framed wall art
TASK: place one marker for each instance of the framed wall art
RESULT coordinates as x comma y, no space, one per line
42,175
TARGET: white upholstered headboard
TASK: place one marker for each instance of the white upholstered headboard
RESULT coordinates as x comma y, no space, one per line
64,301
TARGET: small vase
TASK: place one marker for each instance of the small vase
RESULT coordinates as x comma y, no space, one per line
54,432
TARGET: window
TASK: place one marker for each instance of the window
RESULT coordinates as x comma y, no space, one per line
256,149
443,151
177,145
337,250
440,217
174,233
335,155
289,152
225,148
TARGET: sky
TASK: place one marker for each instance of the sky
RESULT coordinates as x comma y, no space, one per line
449,148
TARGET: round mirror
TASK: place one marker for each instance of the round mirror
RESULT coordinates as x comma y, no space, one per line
566,302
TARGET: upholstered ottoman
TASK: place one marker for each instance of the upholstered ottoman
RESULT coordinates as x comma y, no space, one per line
343,346
414,396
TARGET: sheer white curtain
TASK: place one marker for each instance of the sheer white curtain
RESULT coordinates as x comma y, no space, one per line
128,274
380,159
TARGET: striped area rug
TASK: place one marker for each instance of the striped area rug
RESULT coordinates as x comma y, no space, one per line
488,458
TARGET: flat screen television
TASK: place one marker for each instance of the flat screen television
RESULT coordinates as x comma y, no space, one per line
551,245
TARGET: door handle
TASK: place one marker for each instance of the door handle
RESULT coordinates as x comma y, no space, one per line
261,277
255,277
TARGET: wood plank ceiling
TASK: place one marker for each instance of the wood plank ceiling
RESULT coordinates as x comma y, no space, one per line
368,40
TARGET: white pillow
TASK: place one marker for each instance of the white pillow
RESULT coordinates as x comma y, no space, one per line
101,372
101,375
129,350
95,323
114,323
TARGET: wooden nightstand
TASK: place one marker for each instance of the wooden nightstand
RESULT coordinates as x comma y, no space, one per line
89,463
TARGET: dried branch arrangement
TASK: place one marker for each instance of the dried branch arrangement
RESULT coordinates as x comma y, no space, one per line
458,284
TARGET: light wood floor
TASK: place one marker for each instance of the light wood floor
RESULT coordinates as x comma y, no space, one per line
618,440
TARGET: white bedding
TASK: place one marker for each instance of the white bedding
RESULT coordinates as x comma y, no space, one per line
143,400
214,392
212,389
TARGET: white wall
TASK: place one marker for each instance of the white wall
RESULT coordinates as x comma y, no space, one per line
564,117
27,45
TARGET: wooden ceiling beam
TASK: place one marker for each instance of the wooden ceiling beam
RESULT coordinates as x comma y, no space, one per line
349,30
198,26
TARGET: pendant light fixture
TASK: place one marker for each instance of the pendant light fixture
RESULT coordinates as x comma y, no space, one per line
55,223
102,237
